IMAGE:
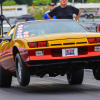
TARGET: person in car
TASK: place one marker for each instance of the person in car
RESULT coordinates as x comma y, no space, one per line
51,6
64,11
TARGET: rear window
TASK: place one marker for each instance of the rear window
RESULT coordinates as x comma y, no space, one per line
48,27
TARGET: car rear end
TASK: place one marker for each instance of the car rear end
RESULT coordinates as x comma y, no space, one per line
80,52
57,46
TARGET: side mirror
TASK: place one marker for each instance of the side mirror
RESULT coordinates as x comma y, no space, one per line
5,33
0,40
7,38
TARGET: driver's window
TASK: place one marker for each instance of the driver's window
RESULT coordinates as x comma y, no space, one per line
11,32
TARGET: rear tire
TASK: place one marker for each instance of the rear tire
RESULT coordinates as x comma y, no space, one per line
96,73
22,72
75,77
5,80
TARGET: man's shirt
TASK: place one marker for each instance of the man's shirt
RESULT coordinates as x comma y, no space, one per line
64,13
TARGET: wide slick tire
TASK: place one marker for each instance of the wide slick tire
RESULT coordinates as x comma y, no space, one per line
5,80
22,72
96,73
75,77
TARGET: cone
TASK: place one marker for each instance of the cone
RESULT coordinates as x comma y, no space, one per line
32,5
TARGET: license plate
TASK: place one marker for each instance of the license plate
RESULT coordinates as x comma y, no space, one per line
70,52
97,48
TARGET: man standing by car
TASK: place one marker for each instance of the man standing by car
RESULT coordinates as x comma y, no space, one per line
64,11
51,6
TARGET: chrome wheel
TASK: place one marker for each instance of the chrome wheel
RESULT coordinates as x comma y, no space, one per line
22,72
19,70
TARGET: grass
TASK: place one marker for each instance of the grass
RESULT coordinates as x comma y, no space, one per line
37,11
96,17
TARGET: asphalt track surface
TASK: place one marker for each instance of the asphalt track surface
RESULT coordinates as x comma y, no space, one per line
53,88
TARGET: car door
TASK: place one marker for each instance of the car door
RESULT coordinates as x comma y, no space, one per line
6,53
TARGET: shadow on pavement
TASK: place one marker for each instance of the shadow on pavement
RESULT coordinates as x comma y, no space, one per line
53,89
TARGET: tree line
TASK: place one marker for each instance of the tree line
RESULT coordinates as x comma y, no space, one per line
42,2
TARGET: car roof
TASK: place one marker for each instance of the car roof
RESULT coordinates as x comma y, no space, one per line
45,20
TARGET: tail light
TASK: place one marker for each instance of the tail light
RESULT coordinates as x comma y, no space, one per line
32,45
91,40
42,44
37,44
98,40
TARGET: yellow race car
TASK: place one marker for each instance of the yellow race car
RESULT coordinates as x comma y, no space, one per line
53,47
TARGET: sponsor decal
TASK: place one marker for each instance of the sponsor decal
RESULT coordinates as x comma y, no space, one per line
20,31
69,52
32,34
25,33
20,36
26,27
20,26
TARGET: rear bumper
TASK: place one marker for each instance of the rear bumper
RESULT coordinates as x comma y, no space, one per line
86,62
86,58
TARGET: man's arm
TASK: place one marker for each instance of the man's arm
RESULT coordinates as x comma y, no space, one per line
77,17
49,16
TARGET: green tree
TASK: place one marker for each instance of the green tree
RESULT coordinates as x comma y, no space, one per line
35,2
92,1
41,2
9,2
76,1
44,2
28,2
55,1
21,2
